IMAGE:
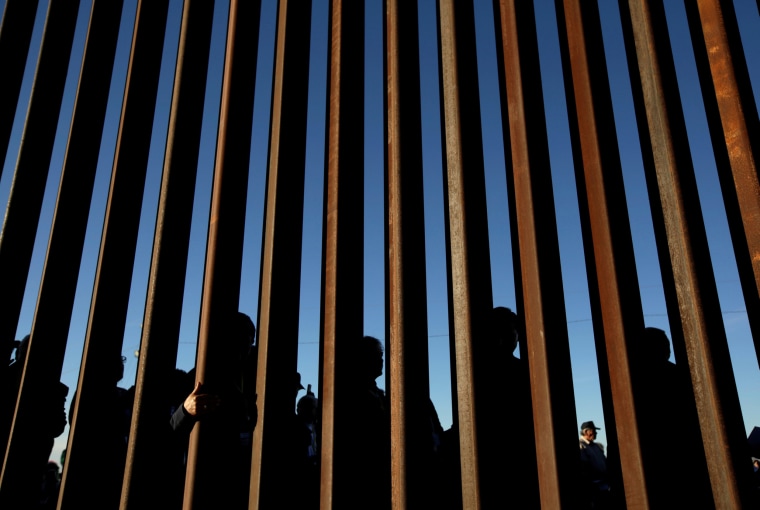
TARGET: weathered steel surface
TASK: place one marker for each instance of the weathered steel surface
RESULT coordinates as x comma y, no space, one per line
30,177
15,38
735,132
213,480
169,260
280,287
467,241
55,299
343,258
554,419
699,339
405,264
607,236
704,334
113,278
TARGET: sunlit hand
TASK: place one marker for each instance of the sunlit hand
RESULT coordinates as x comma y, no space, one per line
200,404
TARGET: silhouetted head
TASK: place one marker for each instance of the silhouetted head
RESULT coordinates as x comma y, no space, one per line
503,329
51,477
307,408
52,469
367,358
656,344
243,334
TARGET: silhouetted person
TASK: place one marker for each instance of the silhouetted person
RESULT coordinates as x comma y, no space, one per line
229,414
363,440
437,463
508,445
107,440
306,412
665,399
306,451
172,446
595,489
753,440
49,420
506,440
51,484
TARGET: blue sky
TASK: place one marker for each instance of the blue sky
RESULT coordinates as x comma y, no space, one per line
583,356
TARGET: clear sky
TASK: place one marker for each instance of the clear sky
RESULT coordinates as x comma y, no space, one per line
585,378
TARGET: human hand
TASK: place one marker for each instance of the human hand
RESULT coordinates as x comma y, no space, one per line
199,404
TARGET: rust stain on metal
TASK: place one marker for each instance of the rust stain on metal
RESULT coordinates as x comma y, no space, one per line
738,143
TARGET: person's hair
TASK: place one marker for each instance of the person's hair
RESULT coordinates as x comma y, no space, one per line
368,343
242,324
657,344
504,328
307,400
362,352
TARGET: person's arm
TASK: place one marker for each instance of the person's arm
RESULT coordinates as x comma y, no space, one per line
195,406
181,420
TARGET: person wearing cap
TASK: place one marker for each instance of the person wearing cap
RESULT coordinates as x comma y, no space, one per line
593,467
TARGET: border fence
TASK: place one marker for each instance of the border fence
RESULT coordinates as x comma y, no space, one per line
636,462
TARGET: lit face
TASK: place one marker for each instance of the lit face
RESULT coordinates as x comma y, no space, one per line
589,434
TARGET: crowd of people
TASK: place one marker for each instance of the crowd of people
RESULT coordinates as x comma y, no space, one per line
362,442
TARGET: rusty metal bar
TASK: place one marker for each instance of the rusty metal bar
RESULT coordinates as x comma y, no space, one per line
613,454
158,347
30,177
168,266
697,489
600,189
699,339
532,493
280,287
213,478
55,299
706,345
343,277
409,393
113,278
468,248
735,133
551,383
15,38
655,202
